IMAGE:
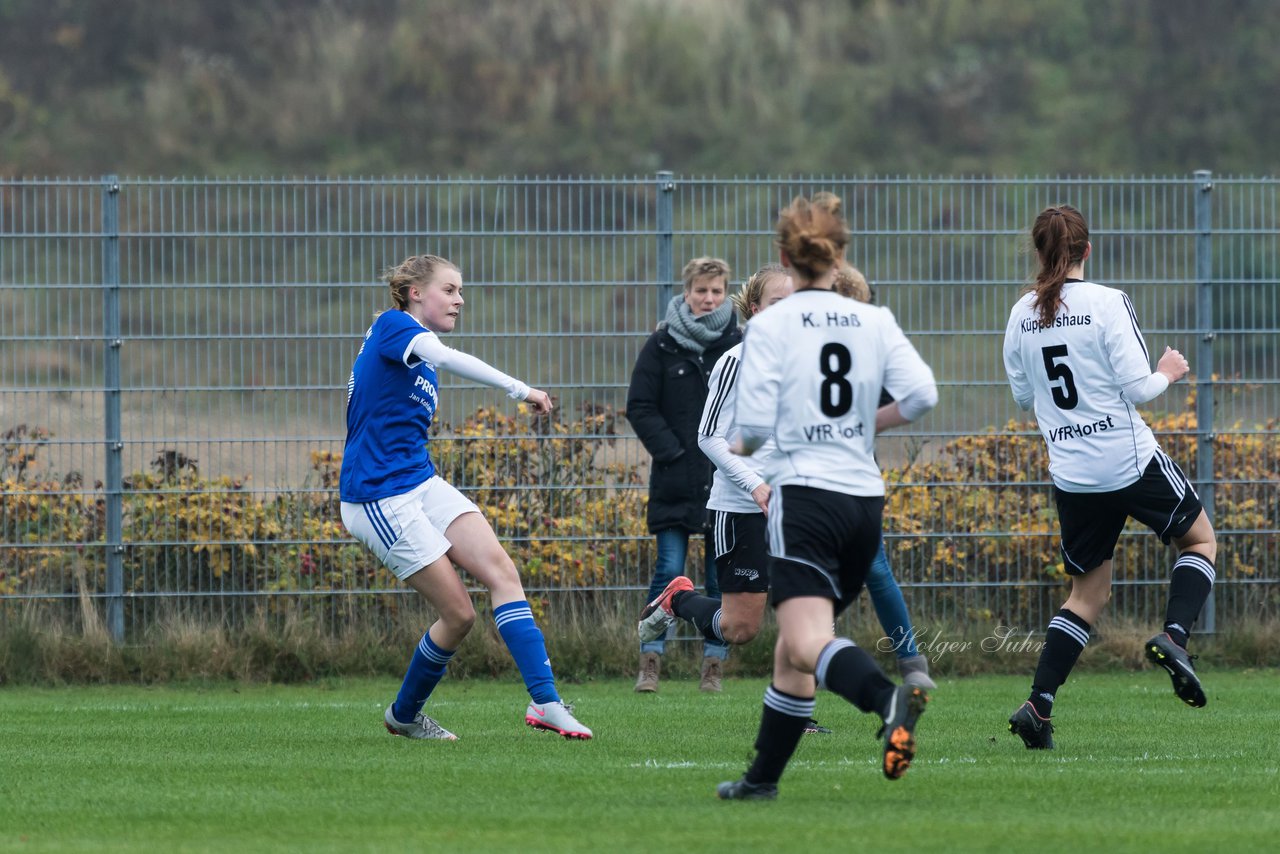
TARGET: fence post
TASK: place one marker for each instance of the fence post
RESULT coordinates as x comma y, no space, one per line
1204,359
114,481
666,239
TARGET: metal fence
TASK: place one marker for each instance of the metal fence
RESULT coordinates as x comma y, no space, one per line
174,355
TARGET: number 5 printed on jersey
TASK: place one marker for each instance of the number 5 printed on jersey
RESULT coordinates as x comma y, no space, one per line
1065,396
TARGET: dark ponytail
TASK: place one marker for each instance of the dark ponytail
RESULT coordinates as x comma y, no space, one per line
1060,237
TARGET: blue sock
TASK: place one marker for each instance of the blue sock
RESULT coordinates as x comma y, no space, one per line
523,637
425,670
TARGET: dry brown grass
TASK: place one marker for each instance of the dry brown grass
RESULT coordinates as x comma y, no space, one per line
590,636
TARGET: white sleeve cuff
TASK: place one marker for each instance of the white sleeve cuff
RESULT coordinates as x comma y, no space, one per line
1147,388
918,402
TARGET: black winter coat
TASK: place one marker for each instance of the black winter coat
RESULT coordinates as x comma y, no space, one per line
664,406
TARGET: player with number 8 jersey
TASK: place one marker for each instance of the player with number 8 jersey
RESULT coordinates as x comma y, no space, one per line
813,367
817,362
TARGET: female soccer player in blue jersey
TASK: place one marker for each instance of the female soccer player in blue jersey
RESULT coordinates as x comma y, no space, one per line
813,367
1074,353
418,525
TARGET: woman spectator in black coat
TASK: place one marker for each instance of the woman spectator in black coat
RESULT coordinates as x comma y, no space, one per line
664,405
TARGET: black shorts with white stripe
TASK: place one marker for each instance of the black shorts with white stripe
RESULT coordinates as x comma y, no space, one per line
1162,499
742,555
821,543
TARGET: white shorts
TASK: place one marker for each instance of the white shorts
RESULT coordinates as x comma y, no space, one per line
406,531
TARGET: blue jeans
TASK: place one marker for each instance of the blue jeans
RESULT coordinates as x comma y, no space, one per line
890,607
673,550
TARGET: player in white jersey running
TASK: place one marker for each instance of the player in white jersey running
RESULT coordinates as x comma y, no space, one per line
1075,353
418,525
738,504
737,501
812,370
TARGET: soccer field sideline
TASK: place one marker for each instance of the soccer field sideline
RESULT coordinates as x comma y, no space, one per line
269,767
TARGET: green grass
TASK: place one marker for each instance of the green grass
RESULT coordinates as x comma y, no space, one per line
253,767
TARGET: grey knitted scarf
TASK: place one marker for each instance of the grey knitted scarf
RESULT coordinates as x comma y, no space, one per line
695,333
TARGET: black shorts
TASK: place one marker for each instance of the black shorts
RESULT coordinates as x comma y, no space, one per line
742,558
1162,499
821,543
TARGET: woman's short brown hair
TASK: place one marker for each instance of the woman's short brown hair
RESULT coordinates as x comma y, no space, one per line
700,268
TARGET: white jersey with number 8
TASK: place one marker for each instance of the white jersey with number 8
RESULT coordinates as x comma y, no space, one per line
813,366
1073,373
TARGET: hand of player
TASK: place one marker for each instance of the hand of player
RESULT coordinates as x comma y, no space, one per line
760,495
539,401
1173,365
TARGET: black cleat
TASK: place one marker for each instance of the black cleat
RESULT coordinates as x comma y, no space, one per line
741,790
1162,651
899,728
1036,732
814,727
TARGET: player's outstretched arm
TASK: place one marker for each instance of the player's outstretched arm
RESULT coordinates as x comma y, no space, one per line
432,350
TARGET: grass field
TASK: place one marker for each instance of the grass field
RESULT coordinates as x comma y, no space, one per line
226,767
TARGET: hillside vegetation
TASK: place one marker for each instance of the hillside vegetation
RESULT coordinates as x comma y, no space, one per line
629,86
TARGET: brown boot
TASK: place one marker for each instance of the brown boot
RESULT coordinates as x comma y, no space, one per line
712,671
650,666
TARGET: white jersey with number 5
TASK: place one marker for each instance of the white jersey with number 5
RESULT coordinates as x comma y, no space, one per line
1073,373
813,366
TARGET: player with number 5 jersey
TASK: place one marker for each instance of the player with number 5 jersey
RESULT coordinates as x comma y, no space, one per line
1083,371
1075,354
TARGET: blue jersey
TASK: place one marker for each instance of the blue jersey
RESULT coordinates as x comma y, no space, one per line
391,399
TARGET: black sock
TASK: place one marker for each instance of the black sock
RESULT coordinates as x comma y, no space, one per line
1064,640
1189,587
699,610
781,726
847,670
